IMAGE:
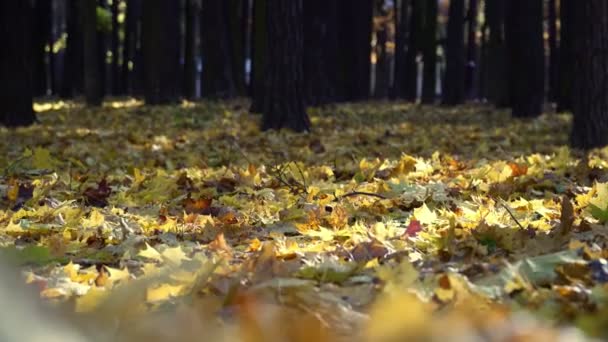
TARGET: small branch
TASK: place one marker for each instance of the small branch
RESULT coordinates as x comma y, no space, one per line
363,193
511,214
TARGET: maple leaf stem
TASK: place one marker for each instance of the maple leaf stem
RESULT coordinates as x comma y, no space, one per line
511,214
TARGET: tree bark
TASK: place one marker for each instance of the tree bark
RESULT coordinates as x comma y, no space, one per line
401,46
526,57
553,50
73,67
497,79
382,78
590,106
92,76
453,90
471,49
259,62
190,74
218,73
411,64
429,81
568,36
320,51
41,33
236,15
284,105
16,89
355,36
117,87
160,30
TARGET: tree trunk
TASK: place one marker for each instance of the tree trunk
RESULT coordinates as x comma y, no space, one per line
497,79
590,106
382,58
284,105
102,51
471,49
73,67
236,33
92,76
429,82
453,85
526,57
41,34
568,36
190,50
355,36
259,62
16,89
117,87
218,75
160,30
401,46
320,51
132,68
411,64
553,50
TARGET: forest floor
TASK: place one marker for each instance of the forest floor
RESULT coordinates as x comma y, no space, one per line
388,222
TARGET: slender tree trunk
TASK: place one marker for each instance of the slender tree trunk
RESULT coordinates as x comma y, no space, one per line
134,74
497,79
355,35
526,57
102,51
320,51
160,30
553,50
401,47
190,50
453,90
218,75
429,82
92,76
259,50
117,87
382,62
41,33
73,67
411,64
568,36
284,106
236,33
590,106
472,49
16,89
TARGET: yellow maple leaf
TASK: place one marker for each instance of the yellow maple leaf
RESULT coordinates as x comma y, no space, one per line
163,292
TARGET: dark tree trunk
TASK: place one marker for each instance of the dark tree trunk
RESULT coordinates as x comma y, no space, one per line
218,74
453,85
15,64
41,34
526,57
73,67
382,61
284,104
259,62
92,76
497,79
355,36
568,36
411,65
160,30
117,87
590,106
429,81
471,49
132,68
401,46
320,51
235,16
102,51
553,50
190,50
